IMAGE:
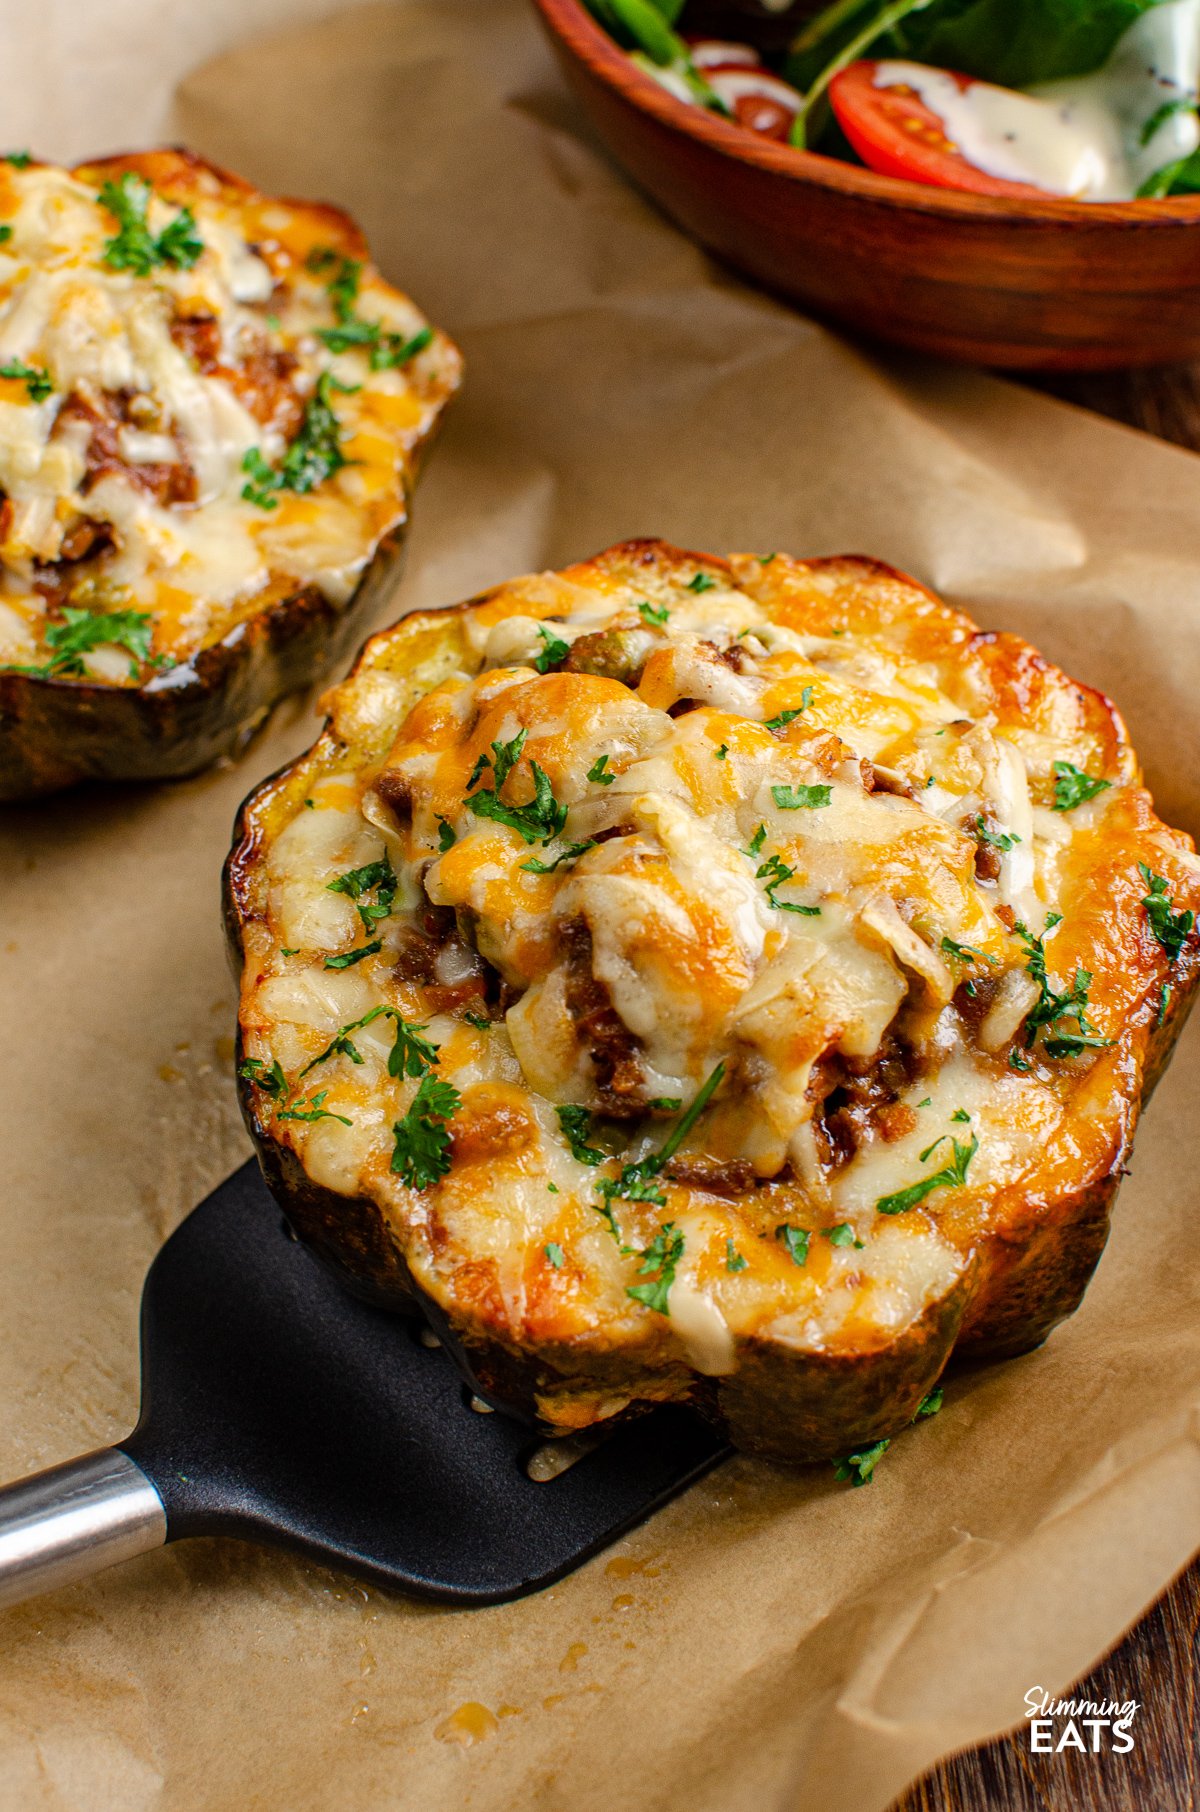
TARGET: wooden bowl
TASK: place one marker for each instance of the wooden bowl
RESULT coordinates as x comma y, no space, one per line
1031,285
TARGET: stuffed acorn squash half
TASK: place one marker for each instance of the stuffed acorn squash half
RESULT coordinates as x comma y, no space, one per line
212,415
732,982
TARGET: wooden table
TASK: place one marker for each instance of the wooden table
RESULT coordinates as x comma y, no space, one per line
1158,1663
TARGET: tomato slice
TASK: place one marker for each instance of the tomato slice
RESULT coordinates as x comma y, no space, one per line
894,132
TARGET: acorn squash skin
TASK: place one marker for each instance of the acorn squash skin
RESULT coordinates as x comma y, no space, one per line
1014,1285
57,733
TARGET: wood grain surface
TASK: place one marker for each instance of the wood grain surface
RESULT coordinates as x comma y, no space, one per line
1158,1663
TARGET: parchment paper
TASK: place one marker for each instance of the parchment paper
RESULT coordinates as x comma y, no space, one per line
769,1641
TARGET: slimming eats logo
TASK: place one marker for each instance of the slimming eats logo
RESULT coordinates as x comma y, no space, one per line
1058,1724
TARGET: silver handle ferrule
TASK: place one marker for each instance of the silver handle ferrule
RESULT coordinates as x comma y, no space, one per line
72,1520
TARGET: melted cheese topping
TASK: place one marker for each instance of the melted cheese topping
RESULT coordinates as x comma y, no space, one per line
798,822
123,459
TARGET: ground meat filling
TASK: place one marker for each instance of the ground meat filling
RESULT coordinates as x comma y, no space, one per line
614,1051
106,413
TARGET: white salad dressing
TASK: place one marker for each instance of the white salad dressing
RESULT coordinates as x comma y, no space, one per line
1082,137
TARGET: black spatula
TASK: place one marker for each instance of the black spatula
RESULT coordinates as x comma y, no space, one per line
278,1408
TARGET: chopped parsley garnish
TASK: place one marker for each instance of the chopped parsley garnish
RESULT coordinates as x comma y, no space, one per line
20,160
271,1081
535,865
794,798
412,1054
285,951
1072,787
1003,840
858,1466
928,1102
421,1153
82,631
953,1175
655,615
1172,929
554,650
766,559
722,751
662,1255
348,960
929,1406
5,234
756,842
1164,1000
796,1239
786,717
312,1109
540,819
702,582
961,1115
576,1123
134,247
446,836
377,877
478,1021
313,456
733,1258
966,953
597,771
353,332
1017,1062
842,1235
36,379
775,872
637,1181
1052,1007
554,1253
665,1104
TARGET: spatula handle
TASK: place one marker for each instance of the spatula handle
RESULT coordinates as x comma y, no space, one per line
72,1520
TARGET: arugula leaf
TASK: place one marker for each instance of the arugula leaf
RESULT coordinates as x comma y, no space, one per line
81,631
554,650
348,960
1172,929
857,1467
554,1253
134,247
953,1175
596,771
1072,787
271,1081
421,1152
536,866
662,1255
786,717
793,798
311,1109
378,877
1004,840
796,1239
653,614
37,380
576,1123
733,1258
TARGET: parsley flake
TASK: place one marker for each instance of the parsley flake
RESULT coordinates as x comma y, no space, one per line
412,1054
702,582
377,877
857,1467
733,1258
554,1253
1172,929
953,1175
1053,1007
786,717
36,379
1003,840
313,456
421,1152
966,953
796,1239
134,247
554,650
535,865
722,751
576,1123
842,1235
446,835
597,771
794,798
654,615
1072,787
312,1109
82,631
271,1081
350,957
